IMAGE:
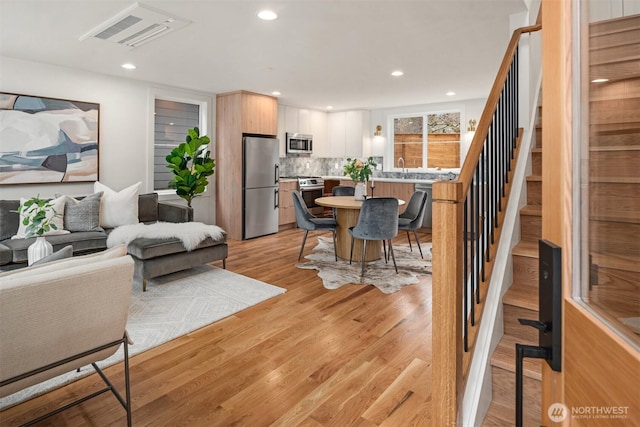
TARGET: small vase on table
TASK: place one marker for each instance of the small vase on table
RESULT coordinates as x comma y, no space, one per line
39,249
360,191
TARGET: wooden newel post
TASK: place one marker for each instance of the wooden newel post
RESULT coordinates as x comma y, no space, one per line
447,301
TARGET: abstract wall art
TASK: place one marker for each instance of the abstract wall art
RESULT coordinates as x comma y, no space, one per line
48,140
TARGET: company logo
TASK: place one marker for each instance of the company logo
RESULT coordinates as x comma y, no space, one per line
557,412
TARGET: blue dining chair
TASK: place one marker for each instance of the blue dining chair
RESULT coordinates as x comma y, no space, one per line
309,222
378,220
411,218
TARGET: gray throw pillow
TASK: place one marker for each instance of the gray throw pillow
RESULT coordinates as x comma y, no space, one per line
83,215
66,252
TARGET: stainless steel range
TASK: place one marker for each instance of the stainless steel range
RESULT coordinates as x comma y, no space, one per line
311,187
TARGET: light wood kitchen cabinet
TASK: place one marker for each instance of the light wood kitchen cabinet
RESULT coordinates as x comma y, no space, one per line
237,113
287,213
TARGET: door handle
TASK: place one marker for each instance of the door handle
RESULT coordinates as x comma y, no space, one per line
277,173
276,193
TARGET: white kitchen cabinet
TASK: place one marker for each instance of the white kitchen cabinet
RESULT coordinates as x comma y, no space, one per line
348,132
281,131
291,119
304,121
337,125
319,128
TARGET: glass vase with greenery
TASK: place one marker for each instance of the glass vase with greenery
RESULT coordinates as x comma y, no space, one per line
359,170
191,164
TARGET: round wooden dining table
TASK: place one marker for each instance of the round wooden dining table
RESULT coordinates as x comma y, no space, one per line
347,213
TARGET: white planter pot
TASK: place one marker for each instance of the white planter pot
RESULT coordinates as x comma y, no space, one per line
39,249
360,191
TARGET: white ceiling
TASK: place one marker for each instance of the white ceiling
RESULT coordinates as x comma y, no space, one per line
317,53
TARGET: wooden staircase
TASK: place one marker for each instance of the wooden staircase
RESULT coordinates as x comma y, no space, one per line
614,217
521,301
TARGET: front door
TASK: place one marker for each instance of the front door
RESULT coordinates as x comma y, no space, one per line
591,200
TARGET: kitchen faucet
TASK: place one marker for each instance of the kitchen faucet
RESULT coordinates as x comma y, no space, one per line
403,171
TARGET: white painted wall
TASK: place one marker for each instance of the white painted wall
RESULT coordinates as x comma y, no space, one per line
125,120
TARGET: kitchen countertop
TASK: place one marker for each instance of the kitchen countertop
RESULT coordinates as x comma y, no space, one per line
381,179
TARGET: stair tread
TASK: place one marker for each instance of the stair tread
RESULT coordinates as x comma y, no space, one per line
615,179
499,415
527,248
534,210
524,296
536,150
504,357
534,178
616,262
608,148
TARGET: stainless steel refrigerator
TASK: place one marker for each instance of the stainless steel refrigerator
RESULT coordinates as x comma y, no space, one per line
261,164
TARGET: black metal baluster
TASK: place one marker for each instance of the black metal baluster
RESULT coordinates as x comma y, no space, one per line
465,275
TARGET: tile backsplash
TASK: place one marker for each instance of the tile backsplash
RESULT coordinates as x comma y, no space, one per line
332,166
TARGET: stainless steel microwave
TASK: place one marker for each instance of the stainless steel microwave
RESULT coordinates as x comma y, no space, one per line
298,143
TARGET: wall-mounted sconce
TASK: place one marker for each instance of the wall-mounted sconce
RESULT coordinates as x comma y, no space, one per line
378,131
472,125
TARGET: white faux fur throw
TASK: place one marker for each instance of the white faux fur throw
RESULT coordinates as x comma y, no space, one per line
190,233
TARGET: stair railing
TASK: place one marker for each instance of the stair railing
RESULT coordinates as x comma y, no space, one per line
467,216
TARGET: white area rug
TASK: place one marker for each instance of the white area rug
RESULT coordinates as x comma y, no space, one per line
383,276
173,305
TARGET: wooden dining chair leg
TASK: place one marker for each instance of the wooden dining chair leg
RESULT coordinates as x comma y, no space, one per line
393,256
304,240
364,256
335,251
415,233
409,239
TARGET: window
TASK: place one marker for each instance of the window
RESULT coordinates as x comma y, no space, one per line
431,139
172,121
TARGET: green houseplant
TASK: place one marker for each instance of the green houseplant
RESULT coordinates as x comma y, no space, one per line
191,165
38,217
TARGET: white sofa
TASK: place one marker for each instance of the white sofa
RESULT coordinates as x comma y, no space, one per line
60,316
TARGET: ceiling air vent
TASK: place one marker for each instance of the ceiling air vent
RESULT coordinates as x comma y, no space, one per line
136,25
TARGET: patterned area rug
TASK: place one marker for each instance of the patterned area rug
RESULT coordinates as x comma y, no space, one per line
173,305
377,273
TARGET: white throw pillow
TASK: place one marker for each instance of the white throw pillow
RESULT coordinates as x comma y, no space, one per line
118,208
57,207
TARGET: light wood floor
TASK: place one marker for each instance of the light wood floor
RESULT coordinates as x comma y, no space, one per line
311,357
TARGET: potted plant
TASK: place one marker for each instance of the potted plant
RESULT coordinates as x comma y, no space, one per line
38,218
359,171
191,165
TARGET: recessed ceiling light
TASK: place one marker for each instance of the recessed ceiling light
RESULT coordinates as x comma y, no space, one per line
450,93
599,80
275,93
329,107
397,73
267,15
128,66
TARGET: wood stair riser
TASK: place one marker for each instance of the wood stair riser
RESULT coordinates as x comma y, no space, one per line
620,38
534,192
504,394
614,201
617,289
525,270
615,238
623,163
525,334
539,137
530,226
536,162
